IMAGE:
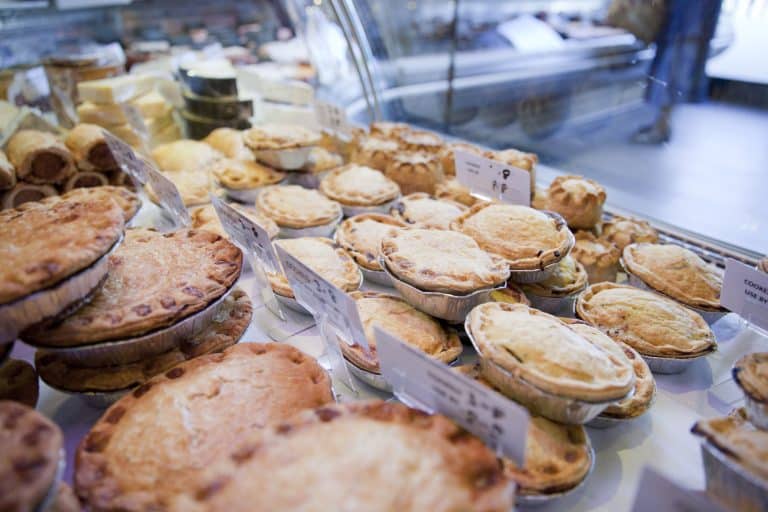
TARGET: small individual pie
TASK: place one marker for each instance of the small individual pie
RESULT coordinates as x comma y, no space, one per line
420,210
548,353
361,237
18,382
374,152
245,174
420,140
454,191
297,207
127,200
324,257
599,257
321,160
648,322
279,136
229,142
205,217
528,239
763,265
519,159
447,158
510,294
418,462
738,440
751,374
415,172
154,443
622,231
579,200
389,130
45,242
154,281
185,156
357,185
567,278
402,320
90,149
225,330
676,272
29,459
441,261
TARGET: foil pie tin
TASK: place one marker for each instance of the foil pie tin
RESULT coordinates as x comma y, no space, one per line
671,365
533,500
732,484
375,380
558,306
65,296
383,208
129,350
97,399
286,159
305,179
323,230
376,277
451,308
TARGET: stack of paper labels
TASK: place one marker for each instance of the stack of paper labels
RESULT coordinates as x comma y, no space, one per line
130,107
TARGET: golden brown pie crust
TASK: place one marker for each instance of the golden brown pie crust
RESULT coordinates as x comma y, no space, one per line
510,294
567,278
622,231
599,257
154,281
420,140
245,174
374,152
751,374
420,210
579,200
386,129
415,172
454,191
361,237
279,136
297,207
196,410
357,185
127,200
205,217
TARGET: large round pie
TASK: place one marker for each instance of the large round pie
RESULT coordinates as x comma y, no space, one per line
373,456
154,281
357,185
579,200
676,272
527,238
441,261
205,217
567,278
648,322
154,443
622,231
297,207
279,136
408,324
45,242
245,174
361,237
420,210
225,330
323,256
547,353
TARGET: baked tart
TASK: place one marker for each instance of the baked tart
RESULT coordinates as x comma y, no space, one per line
388,129
420,210
154,281
408,324
245,174
622,231
599,257
441,261
296,207
155,442
374,152
323,256
676,272
229,142
418,462
357,185
361,237
415,172
528,239
648,322
567,278
579,200
205,217
279,136
448,159
454,191
127,200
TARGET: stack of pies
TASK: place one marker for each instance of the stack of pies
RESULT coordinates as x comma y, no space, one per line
154,443
557,293
242,179
374,152
282,146
299,211
361,237
420,210
622,231
579,200
417,462
751,374
205,217
415,172
359,189
599,257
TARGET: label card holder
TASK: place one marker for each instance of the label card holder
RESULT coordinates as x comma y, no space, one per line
332,117
429,384
745,292
493,179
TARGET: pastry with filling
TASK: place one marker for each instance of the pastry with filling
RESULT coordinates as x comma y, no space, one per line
599,257
567,278
205,217
420,210
40,158
415,172
357,185
510,294
420,140
90,149
361,237
23,193
85,179
185,156
762,265
374,152
579,200
622,231
296,207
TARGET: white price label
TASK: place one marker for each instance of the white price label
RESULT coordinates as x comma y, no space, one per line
129,162
492,178
323,299
250,235
745,291
331,117
169,197
659,494
499,422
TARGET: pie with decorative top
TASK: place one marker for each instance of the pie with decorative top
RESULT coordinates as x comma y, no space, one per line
441,261
297,207
548,353
676,272
42,243
205,217
648,322
154,280
361,237
415,171
751,374
420,140
402,320
528,239
127,200
374,152
599,257
387,129
447,157
622,231
245,174
567,278
420,210
418,462
226,328
454,191
579,200
323,256
29,460
279,136
510,294
357,185
154,443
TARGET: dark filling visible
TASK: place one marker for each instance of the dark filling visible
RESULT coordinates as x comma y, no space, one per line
26,196
47,166
88,181
100,156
